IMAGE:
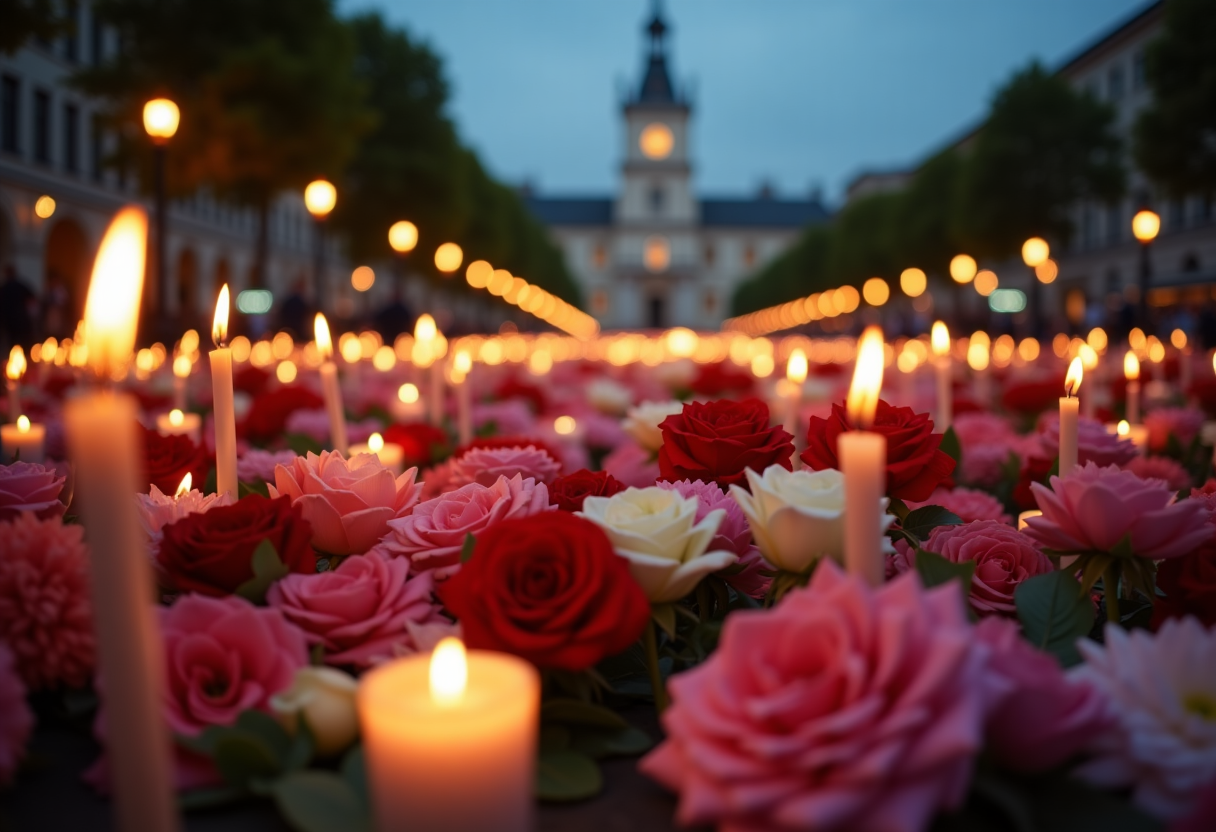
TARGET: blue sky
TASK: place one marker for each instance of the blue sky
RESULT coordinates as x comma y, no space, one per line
798,92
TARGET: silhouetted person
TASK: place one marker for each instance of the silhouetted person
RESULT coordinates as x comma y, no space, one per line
294,312
17,303
394,318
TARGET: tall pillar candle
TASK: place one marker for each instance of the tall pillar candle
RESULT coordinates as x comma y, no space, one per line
101,438
331,391
224,412
450,743
181,376
863,461
940,339
22,441
1069,411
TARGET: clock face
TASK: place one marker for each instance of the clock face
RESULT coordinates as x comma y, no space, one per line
656,141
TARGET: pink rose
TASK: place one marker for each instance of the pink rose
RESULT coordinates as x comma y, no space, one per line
16,720
508,417
157,509
363,612
485,465
255,464
633,465
1182,422
28,486
845,707
986,441
1094,444
734,534
1038,718
1162,468
348,502
434,533
1092,509
968,504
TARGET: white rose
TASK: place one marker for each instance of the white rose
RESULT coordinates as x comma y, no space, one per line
676,375
642,422
798,516
656,531
608,397
325,699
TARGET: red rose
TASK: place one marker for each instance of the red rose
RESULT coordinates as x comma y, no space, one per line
1033,396
211,553
549,589
718,441
1034,469
915,464
1189,583
513,388
250,379
718,378
568,492
167,460
423,444
268,414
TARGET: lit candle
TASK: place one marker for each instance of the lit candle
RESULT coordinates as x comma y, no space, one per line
940,339
450,741
407,407
1156,356
13,371
224,415
426,354
23,440
795,376
462,365
1138,434
329,386
1069,411
101,435
1131,371
181,375
978,357
390,454
863,461
1026,515
176,423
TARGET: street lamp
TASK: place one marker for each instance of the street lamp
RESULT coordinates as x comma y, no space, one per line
319,198
402,238
1035,252
161,117
1145,226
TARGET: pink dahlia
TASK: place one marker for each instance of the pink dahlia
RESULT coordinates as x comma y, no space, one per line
362,613
1093,508
1003,558
16,720
157,509
734,534
986,440
485,465
46,615
348,502
1094,444
968,503
1169,471
845,707
1183,422
433,534
28,486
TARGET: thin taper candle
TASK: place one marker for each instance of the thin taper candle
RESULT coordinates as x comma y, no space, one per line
940,340
1069,411
863,461
224,412
330,388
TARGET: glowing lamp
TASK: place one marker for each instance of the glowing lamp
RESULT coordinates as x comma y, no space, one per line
962,268
403,236
913,282
44,207
876,291
161,118
1035,252
448,257
362,278
320,197
1146,225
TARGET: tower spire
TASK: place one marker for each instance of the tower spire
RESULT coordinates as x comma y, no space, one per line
656,85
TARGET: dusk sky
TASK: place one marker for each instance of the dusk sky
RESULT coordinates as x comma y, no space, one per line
798,92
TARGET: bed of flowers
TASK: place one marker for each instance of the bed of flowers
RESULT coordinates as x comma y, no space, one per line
677,551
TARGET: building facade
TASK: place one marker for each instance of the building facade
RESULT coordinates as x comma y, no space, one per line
656,253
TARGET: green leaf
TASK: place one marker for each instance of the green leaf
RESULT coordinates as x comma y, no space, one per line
302,746
354,771
665,616
466,550
301,444
925,519
935,570
267,568
574,712
205,742
951,447
598,743
243,758
320,801
267,729
208,798
1054,614
567,776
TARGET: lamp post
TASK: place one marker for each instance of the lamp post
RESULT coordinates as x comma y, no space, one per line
1145,226
319,198
402,238
161,118
1035,252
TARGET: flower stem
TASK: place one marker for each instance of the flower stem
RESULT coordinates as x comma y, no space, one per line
1110,584
652,664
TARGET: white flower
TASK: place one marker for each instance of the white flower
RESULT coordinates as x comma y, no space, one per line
676,375
642,422
608,397
1162,689
656,531
157,509
325,699
798,516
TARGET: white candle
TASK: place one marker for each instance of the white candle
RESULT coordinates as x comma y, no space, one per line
23,440
450,741
408,406
795,375
1026,515
221,393
181,375
940,339
390,454
176,423
101,436
427,352
978,359
1138,434
462,365
1069,411
13,371
863,461
330,388
1131,371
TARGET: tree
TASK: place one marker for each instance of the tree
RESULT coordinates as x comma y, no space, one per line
1042,148
924,232
25,19
1175,137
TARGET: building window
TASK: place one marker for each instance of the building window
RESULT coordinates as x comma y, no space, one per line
1139,78
656,199
1114,83
709,254
1114,224
10,114
96,148
71,40
749,255
1190,262
71,138
599,255
42,126
599,302
656,254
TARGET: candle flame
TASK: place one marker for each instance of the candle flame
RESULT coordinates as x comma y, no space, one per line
111,310
796,367
408,393
1131,366
977,355
462,363
181,366
325,346
1088,356
1123,428
862,401
449,672
219,328
16,364
940,339
176,417
564,425
1072,381
375,443
23,423
425,329
184,488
